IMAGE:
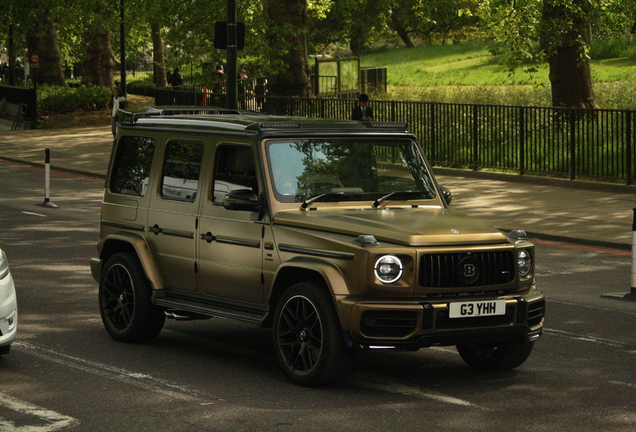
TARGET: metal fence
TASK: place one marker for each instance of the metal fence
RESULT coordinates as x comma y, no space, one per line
595,145
21,104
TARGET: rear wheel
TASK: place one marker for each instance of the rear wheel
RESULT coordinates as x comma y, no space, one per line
308,337
125,301
496,357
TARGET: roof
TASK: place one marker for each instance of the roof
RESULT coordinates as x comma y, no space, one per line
217,118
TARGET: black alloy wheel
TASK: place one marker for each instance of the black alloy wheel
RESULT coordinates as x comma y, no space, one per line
125,301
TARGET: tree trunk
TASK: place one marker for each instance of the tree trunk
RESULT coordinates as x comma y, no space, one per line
100,61
43,41
158,56
400,29
561,39
287,20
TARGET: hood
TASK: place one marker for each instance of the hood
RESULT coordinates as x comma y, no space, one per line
420,226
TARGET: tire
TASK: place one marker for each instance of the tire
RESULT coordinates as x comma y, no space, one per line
308,337
125,301
496,357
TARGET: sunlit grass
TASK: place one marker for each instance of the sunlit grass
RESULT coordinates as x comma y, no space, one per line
470,74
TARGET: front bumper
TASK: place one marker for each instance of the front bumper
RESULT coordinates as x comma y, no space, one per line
8,311
96,269
425,323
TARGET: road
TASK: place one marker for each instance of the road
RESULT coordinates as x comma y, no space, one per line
66,374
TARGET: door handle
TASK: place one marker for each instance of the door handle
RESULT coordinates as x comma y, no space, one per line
208,237
156,230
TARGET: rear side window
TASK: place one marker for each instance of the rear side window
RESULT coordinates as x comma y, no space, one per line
131,167
181,170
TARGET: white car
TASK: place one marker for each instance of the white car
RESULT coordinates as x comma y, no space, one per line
8,306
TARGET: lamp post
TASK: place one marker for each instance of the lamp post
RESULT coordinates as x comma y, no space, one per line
122,54
232,47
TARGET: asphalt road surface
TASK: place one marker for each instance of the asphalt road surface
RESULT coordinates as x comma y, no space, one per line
64,373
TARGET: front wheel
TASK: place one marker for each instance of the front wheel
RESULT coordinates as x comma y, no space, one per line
496,357
308,338
125,301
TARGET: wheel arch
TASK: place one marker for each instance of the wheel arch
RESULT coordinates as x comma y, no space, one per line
127,242
292,272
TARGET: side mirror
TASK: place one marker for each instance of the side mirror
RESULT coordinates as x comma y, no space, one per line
242,199
447,194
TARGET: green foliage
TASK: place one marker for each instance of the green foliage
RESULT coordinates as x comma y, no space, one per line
67,99
142,87
612,48
468,74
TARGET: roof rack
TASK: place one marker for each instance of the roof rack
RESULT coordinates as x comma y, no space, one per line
150,111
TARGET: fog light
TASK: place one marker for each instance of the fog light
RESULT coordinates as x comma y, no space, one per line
389,269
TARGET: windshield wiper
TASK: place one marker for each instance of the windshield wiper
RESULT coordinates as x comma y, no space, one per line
380,200
308,201
377,202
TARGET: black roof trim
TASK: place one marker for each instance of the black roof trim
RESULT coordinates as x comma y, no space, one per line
166,111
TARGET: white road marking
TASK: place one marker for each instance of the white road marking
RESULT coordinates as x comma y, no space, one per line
50,420
375,383
34,214
135,379
623,384
586,338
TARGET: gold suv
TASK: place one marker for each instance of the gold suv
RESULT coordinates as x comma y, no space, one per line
333,233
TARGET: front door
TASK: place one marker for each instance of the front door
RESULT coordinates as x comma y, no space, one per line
231,241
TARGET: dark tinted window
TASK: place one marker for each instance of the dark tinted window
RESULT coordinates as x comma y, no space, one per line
181,170
131,167
234,170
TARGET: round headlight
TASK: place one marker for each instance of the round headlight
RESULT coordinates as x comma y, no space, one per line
389,269
524,262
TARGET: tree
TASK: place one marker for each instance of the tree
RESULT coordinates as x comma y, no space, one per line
158,55
427,19
286,34
42,40
529,32
99,62
563,40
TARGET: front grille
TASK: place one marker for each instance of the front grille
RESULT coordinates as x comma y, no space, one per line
536,311
443,322
472,269
388,323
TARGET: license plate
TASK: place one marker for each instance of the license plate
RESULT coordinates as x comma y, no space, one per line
477,308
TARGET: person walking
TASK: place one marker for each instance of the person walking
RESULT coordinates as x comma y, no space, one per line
115,102
362,112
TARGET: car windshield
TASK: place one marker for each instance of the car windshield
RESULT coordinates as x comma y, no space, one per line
351,169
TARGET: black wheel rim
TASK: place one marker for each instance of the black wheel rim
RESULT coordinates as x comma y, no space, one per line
118,298
300,335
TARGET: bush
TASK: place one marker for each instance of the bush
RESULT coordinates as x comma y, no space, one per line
66,99
143,87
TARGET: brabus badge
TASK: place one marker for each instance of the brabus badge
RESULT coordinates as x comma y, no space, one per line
468,270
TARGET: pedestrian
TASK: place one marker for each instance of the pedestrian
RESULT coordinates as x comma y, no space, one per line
115,102
176,79
362,111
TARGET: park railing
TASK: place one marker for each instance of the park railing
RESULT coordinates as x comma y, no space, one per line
569,143
21,105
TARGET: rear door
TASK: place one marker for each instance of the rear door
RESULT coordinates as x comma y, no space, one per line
172,219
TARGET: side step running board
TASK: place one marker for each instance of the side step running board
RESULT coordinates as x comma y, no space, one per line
180,304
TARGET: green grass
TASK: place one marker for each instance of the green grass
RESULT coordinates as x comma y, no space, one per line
470,74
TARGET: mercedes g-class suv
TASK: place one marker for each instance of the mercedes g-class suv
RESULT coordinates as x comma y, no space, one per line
334,233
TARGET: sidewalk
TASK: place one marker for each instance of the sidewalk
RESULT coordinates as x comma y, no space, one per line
549,209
